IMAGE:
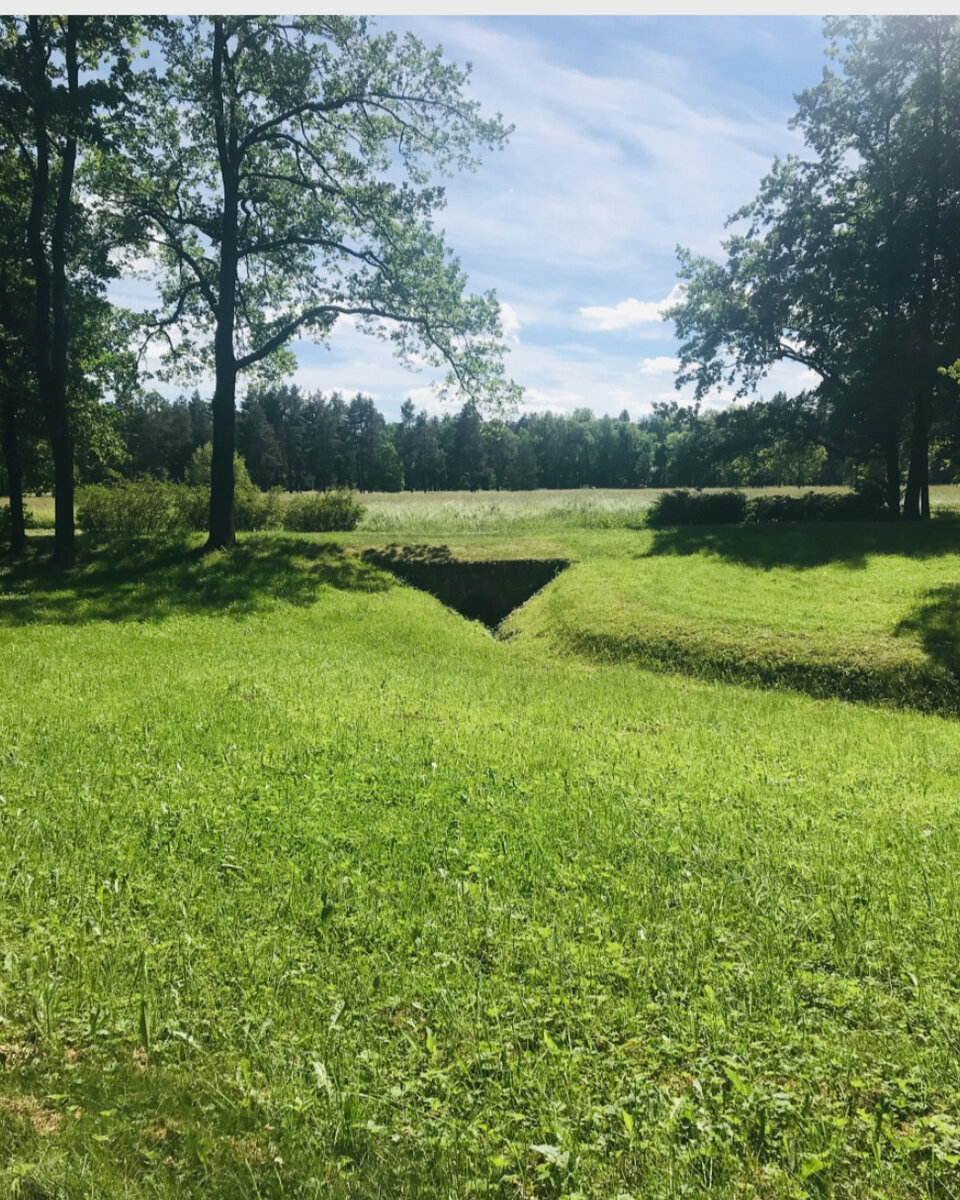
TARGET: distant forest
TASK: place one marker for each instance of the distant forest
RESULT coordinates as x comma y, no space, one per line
300,441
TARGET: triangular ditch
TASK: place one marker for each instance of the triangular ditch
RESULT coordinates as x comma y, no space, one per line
486,590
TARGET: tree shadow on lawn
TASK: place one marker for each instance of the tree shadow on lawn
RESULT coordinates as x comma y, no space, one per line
807,544
937,623
148,580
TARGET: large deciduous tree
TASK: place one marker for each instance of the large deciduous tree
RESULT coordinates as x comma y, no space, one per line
63,81
851,261
286,179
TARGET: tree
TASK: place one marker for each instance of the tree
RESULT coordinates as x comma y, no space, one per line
15,343
851,262
269,178
64,81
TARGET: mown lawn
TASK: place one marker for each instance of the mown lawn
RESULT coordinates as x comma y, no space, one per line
308,887
861,611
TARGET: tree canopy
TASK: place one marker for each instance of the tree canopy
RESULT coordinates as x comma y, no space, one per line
850,262
286,181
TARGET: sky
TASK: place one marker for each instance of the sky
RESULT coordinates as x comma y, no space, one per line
632,135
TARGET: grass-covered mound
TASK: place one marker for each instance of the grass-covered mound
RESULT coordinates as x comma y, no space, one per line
309,887
863,612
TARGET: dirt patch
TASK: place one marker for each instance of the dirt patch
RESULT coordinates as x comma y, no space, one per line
16,1054
27,1108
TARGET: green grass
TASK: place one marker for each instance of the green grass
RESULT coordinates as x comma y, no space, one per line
449,513
867,612
309,887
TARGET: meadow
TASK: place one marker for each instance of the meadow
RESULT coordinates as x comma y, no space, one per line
310,887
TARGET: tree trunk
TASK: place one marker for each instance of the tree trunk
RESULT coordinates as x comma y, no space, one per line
11,455
61,438
893,475
222,531
50,276
916,500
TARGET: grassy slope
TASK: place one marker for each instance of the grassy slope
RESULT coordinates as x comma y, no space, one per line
310,888
863,612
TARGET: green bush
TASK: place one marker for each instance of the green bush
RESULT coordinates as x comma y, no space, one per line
323,512
192,506
253,509
816,506
733,508
697,508
197,473
141,509
126,509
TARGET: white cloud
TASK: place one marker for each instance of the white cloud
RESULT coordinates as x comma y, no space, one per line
663,364
510,321
629,313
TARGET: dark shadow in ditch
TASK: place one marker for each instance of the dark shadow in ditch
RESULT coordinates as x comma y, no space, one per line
480,590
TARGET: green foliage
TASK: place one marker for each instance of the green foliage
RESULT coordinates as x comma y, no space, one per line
254,510
732,508
322,512
148,507
197,473
125,510
697,508
818,506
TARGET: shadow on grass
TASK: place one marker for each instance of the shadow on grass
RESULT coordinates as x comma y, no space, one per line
148,580
937,624
805,545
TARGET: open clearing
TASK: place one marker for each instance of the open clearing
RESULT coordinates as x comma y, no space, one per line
310,887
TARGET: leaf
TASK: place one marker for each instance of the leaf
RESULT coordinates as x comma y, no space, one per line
324,1082
553,1154
813,1166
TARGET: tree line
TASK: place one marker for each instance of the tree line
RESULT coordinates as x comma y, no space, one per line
304,441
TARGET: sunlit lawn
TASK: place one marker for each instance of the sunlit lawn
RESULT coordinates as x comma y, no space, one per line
308,887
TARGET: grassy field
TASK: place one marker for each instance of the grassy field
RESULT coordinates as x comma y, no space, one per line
309,887
438,513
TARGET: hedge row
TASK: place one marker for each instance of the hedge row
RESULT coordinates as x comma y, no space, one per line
734,508
142,509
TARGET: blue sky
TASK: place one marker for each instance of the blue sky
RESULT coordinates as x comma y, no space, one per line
632,134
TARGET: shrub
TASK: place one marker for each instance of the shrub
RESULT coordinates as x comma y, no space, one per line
253,509
817,506
697,508
126,509
191,506
197,473
323,512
